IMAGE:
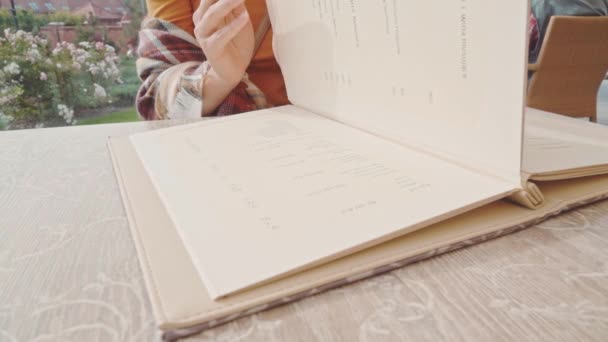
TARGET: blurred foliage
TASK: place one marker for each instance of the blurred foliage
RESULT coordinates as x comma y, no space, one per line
38,83
124,93
125,115
42,84
137,14
32,22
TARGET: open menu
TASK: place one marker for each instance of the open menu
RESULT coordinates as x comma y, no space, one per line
405,114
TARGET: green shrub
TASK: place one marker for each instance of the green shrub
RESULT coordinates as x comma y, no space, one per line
31,22
124,93
38,83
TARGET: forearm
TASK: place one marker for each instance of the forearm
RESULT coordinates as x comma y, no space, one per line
214,91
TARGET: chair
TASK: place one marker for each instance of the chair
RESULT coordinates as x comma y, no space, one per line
572,63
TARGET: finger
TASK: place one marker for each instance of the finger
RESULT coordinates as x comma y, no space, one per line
202,8
227,33
239,9
215,17
199,25
203,27
236,12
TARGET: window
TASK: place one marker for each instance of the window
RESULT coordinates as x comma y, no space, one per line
49,6
34,6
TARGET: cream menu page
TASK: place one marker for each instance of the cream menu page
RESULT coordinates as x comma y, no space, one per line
554,144
263,194
444,76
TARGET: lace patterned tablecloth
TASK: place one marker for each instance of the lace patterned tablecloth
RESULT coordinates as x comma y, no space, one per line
69,271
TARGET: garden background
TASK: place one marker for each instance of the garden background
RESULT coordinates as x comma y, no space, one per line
49,80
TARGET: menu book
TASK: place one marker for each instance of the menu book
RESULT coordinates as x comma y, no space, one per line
406,130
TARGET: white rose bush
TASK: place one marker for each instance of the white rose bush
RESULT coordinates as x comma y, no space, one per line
40,83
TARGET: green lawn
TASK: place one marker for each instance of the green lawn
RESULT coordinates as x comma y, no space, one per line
126,115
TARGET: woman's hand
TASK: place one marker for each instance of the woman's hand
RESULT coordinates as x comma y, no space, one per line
224,31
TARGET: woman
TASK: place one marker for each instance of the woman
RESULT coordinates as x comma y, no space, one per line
199,58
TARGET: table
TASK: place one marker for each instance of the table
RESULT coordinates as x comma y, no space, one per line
69,271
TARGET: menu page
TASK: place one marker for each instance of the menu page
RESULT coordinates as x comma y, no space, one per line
555,143
263,194
444,76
